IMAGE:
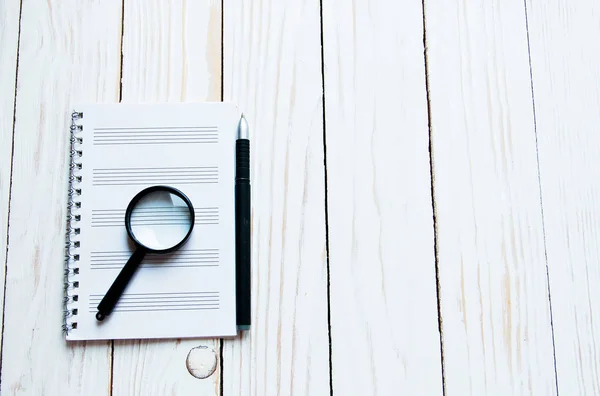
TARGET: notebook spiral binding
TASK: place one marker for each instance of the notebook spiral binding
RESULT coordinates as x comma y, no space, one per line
72,240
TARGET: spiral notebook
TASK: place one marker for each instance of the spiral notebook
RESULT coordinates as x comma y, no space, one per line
116,151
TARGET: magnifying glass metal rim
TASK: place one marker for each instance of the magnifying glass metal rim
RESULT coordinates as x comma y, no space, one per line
142,194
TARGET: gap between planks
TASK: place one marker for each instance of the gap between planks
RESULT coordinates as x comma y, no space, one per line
221,372
537,158
326,202
433,206
12,154
112,342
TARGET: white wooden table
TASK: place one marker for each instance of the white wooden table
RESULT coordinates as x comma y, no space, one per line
426,188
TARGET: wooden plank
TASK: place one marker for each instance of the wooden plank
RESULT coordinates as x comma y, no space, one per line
384,325
9,38
565,62
69,52
171,52
497,336
272,68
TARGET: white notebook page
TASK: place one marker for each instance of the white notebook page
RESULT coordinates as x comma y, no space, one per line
126,148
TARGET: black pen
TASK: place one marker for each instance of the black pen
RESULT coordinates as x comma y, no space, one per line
242,226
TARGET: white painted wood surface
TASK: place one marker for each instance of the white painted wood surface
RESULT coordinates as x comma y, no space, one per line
9,38
565,59
380,293
272,68
384,326
69,52
497,337
171,52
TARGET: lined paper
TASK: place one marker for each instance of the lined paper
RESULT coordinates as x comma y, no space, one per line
177,174
126,148
153,302
116,217
156,135
111,260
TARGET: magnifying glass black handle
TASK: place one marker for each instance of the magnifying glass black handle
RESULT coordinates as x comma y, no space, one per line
113,294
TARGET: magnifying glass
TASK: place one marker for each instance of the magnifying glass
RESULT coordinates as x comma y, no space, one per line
159,219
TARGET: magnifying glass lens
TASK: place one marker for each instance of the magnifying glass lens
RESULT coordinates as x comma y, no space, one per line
160,220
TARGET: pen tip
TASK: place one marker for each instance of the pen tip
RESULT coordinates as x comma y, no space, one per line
243,128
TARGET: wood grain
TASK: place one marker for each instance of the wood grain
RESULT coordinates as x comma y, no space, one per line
384,327
565,61
9,38
171,53
497,336
69,52
272,69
